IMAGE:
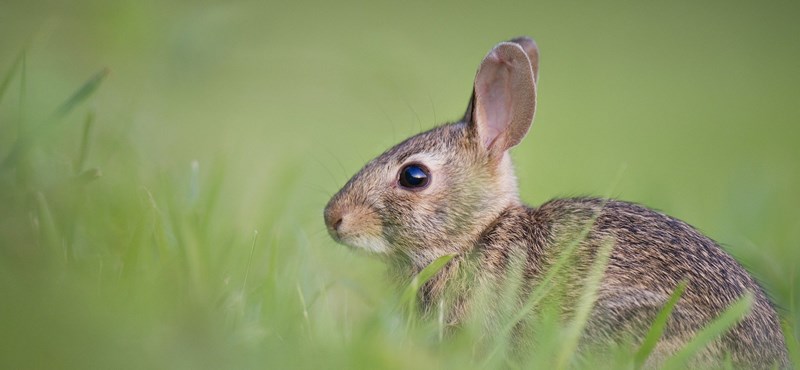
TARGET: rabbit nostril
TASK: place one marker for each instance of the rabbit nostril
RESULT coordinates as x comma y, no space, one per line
333,220
333,227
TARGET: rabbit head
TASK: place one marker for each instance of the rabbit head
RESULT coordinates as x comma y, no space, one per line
436,192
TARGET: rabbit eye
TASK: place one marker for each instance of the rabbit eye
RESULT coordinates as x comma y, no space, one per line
414,176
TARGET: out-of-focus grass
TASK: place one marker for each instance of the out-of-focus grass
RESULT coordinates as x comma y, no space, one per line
220,119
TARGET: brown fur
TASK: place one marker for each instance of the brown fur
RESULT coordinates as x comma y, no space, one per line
471,209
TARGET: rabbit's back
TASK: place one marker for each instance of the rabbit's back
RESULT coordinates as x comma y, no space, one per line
652,253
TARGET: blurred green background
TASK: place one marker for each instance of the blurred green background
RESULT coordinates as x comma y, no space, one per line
221,118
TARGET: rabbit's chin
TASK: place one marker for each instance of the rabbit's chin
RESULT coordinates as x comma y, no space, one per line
367,243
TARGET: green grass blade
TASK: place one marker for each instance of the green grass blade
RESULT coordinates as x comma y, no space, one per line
249,261
305,308
82,94
792,344
24,142
654,334
585,304
85,143
50,237
88,176
539,293
725,321
410,293
10,74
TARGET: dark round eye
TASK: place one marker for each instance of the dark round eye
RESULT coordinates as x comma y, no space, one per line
414,176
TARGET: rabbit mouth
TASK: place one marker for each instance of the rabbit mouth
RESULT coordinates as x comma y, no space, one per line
358,240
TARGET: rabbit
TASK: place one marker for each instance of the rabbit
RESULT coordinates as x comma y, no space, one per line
452,190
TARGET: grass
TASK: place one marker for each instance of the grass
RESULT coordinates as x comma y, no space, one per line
713,330
660,322
142,145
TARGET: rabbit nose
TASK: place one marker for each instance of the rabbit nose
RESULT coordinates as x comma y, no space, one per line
334,223
333,219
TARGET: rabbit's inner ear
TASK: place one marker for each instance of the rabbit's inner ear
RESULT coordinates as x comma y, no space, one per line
504,98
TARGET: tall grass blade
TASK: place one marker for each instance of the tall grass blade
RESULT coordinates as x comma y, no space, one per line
249,260
549,280
585,304
10,74
23,94
792,343
725,321
654,334
193,193
24,141
88,176
50,237
84,92
305,307
85,142
409,295
130,259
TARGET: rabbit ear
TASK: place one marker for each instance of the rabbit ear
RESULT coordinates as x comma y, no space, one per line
532,50
504,97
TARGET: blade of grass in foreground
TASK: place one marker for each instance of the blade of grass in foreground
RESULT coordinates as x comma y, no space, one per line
792,344
51,238
84,92
249,261
409,296
725,321
83,153
585,304
542,289
654,334
10,74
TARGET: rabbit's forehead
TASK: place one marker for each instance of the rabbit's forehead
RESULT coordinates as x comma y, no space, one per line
438,148
433,147
429,159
